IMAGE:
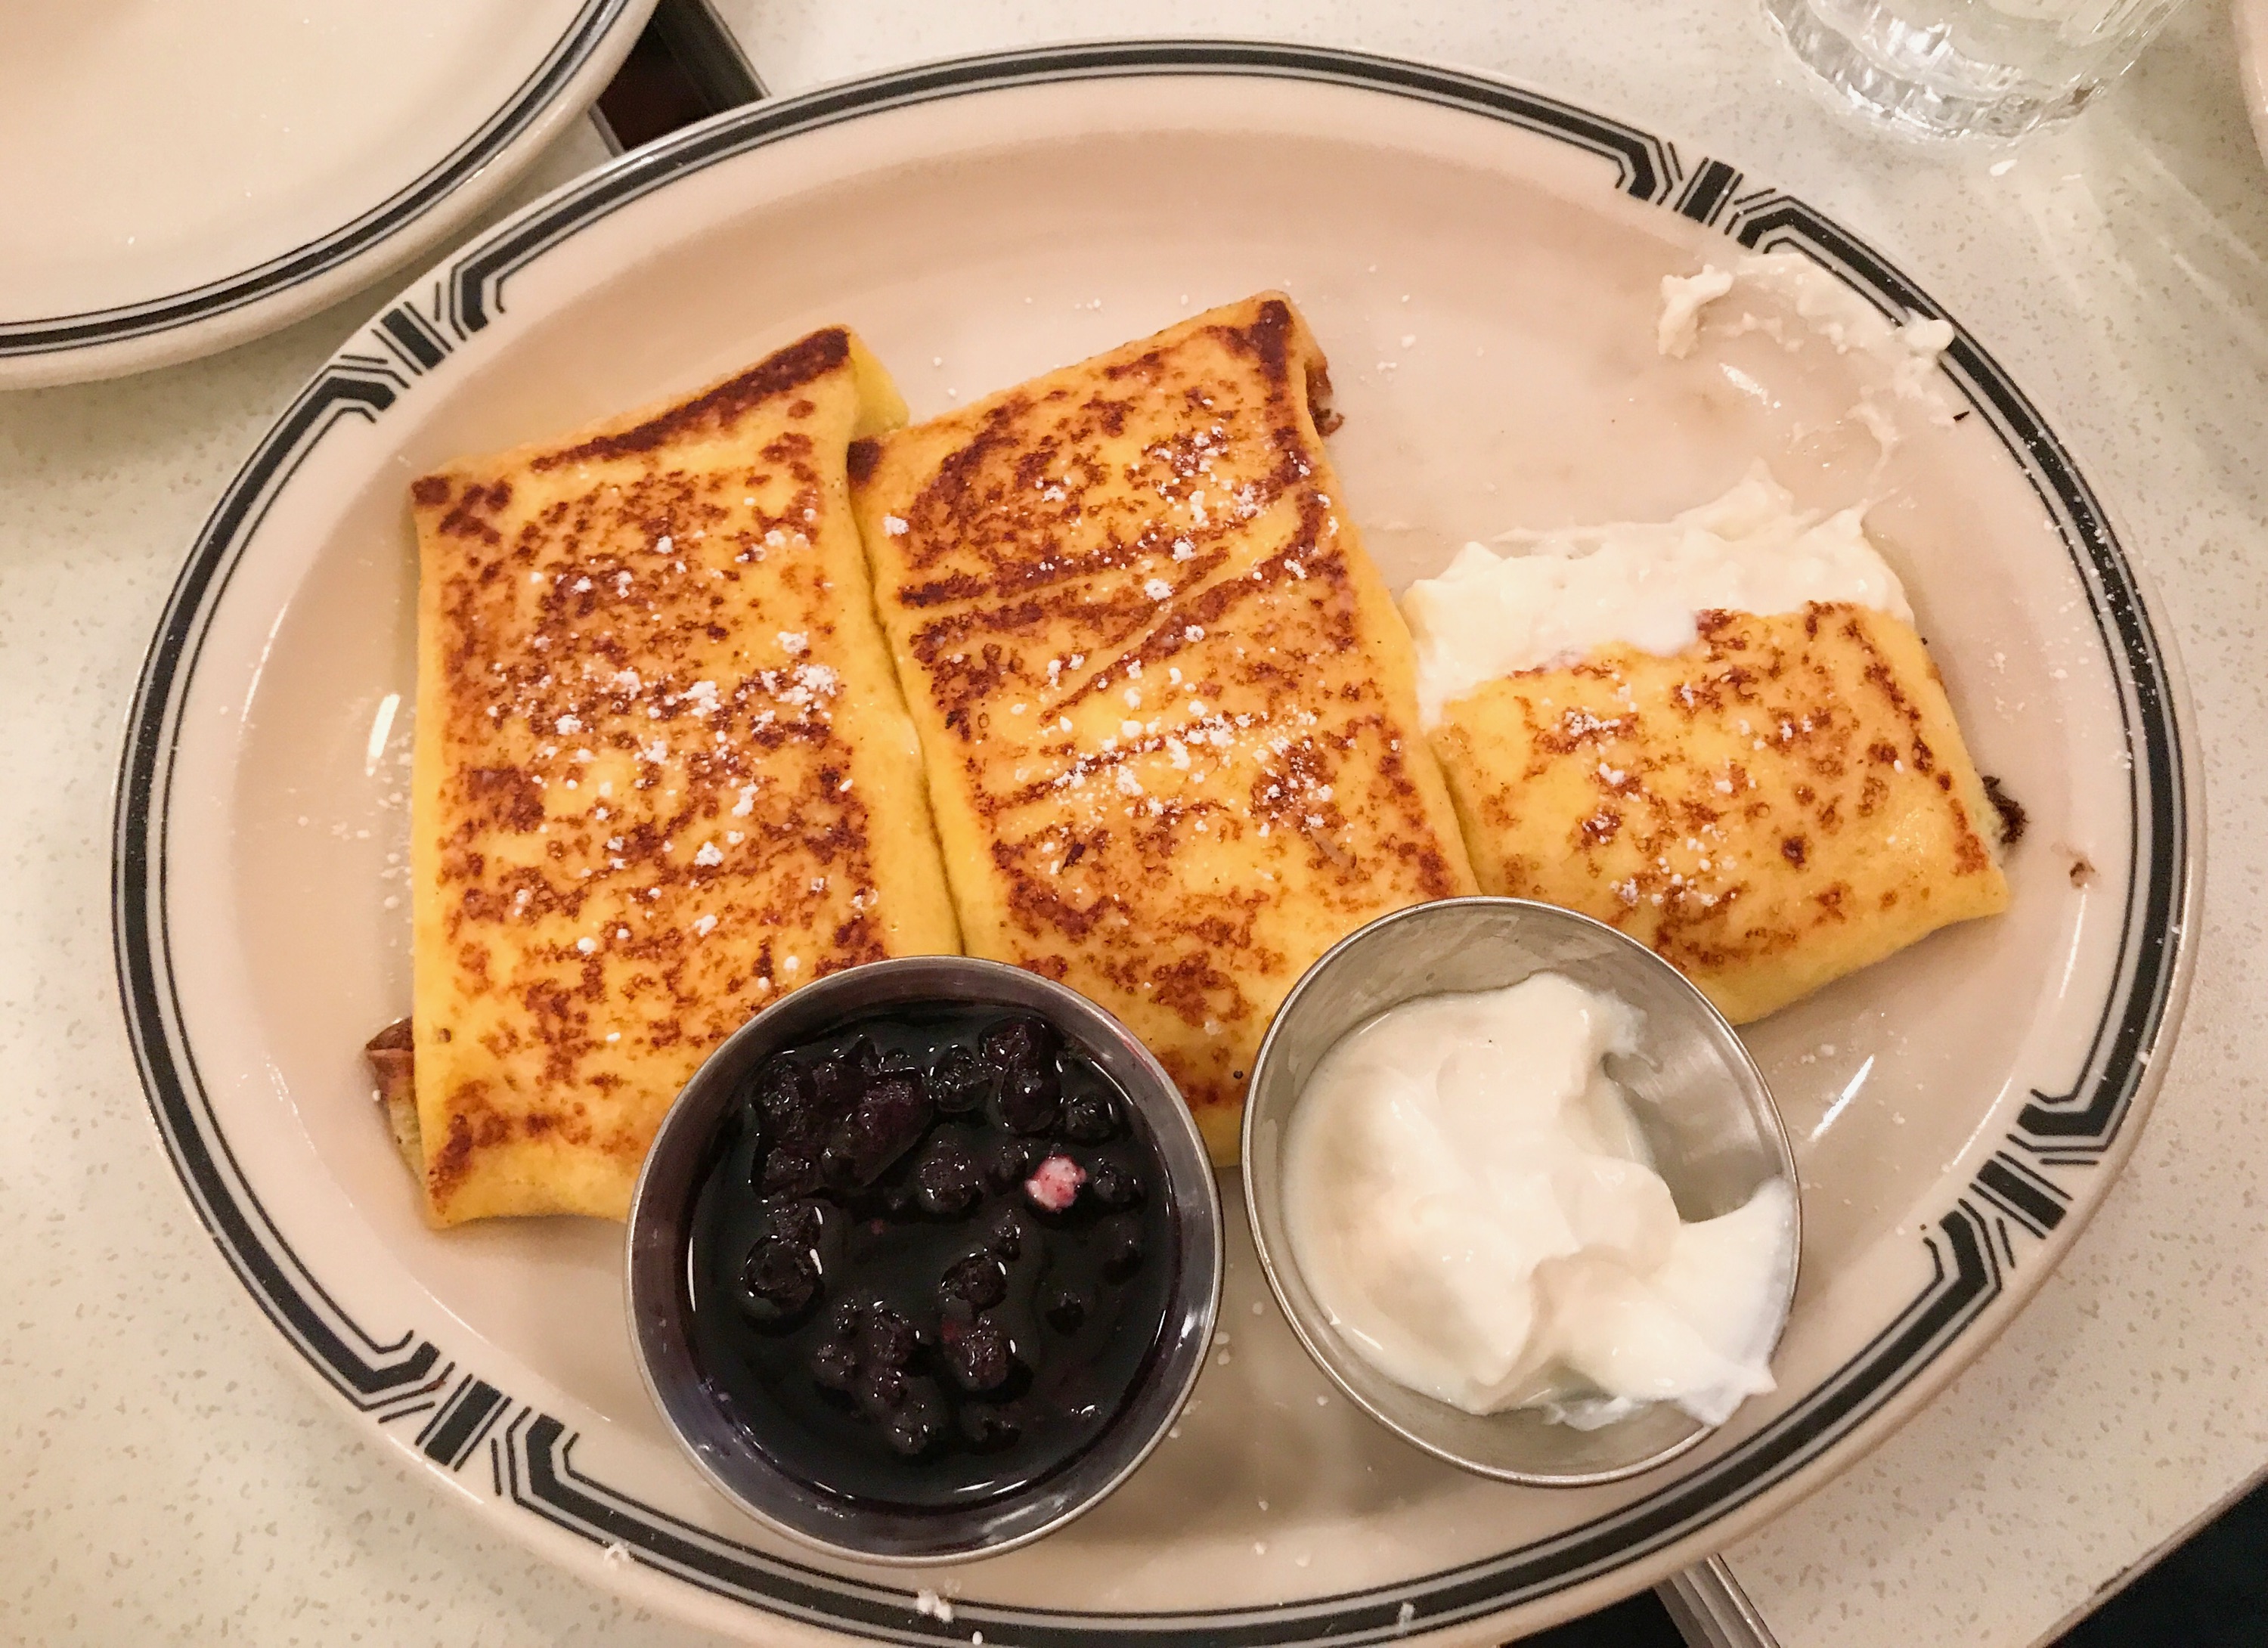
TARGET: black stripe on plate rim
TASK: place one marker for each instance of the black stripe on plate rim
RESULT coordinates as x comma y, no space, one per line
543,1478
537,1449
1647,166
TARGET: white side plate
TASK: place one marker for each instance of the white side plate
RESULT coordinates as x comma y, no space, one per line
183,176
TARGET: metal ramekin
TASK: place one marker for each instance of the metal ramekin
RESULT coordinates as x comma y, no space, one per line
1715,1134
658,1294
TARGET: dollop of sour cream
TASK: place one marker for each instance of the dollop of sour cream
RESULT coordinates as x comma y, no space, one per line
1563,593
1468,1197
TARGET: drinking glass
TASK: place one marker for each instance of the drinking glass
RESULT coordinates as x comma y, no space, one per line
1967,68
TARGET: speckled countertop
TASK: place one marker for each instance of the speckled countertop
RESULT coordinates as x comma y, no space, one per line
164,1477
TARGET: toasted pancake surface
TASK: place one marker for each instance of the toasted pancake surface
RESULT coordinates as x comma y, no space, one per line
1784,802
663,771
1168,707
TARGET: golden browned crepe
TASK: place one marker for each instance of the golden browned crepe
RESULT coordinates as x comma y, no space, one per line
1784,802
1168,710
663,771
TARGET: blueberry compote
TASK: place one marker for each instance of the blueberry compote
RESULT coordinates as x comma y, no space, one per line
932,1256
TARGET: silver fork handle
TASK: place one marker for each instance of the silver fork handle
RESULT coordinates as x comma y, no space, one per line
1711,1611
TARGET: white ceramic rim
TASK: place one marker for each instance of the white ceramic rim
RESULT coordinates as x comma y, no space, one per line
499,145
543,1500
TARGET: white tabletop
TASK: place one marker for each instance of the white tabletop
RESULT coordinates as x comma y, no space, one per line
164,1475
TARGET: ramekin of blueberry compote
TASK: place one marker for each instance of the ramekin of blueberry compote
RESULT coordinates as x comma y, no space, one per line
924,1260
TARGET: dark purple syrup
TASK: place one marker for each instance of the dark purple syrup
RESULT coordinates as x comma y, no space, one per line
932,1258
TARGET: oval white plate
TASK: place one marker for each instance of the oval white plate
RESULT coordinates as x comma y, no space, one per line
185,176
1482,265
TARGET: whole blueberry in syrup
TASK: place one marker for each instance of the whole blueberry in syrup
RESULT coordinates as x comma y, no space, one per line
932,1257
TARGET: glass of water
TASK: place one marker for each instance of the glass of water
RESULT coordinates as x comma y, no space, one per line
1967,68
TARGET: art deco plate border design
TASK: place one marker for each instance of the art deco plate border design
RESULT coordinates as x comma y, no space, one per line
2016,1200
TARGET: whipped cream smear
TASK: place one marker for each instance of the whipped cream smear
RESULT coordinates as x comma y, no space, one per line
1828,308
1801,300
1549,598
1469,1200
1555,596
